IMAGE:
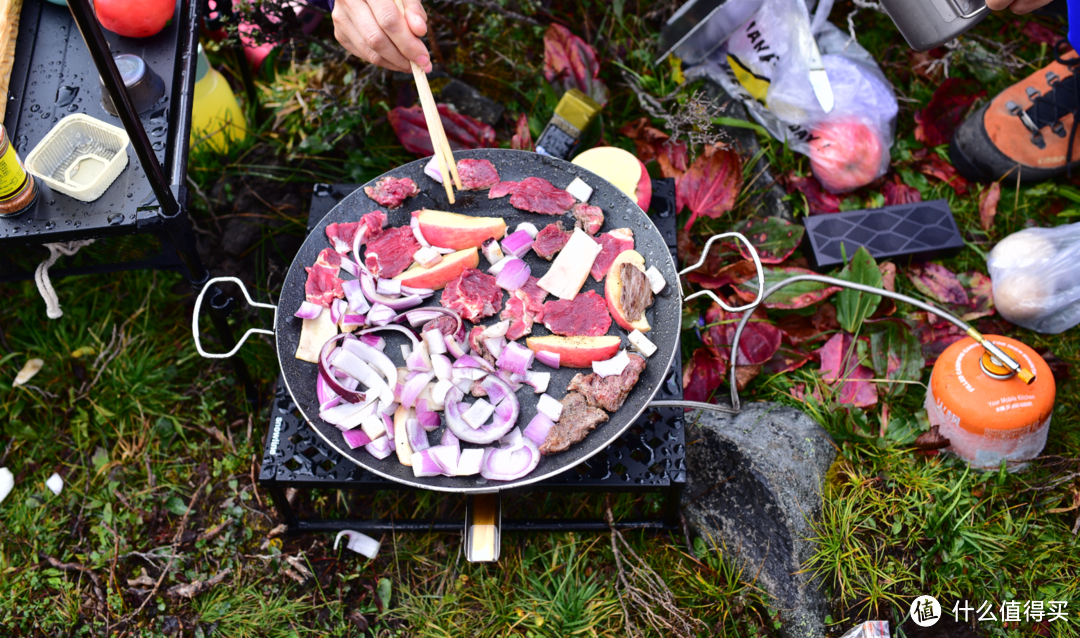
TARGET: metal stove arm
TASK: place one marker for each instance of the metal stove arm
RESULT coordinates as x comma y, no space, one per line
198,306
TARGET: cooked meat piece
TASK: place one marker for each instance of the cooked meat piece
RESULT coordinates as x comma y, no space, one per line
392,191
391,253
636,291
586,316
608,392
538,195
446,325
476,345
473,295
577,420
612,243
551,240
323,284
589,218
521,320
502,189
476,175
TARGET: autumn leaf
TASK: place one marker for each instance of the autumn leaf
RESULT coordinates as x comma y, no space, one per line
759,341
732,274
897,192
935,335
786,359
840,368
711,184
932,165
932,440
818,200
980,295
653,144
703,374
792,297
853,306
988,203
935,124
895,353
462,131
570,63
1039,33
939,283
522,139
799,329
774,238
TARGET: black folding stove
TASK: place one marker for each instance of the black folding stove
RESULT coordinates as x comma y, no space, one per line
649,457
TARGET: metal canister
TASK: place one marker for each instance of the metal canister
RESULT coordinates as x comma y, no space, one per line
18,190
989,414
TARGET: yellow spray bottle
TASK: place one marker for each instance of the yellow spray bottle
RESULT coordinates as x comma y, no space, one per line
216,117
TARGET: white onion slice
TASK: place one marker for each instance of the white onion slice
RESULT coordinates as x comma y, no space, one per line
359,543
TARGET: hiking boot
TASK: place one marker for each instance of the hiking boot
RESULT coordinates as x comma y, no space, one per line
1029,127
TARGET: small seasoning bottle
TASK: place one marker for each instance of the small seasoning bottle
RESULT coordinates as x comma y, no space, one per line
573,115
18,190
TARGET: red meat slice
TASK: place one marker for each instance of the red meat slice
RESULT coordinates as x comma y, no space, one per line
323,285
476,175
502,189
538,195
551,240
392,191
533,296
473,295
444,324
589,218
521,320
391,253
342,236
613,243
585,316
375,221
476,344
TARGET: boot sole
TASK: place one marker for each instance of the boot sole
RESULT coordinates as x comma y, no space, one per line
976,158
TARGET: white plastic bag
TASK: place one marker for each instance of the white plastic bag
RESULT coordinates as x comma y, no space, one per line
1035,284
765,63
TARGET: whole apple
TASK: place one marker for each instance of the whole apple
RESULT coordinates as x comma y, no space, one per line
845,155
135,18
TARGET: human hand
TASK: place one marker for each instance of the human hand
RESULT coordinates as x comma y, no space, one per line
1018,7
376,31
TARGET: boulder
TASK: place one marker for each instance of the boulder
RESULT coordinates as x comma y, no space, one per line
754,484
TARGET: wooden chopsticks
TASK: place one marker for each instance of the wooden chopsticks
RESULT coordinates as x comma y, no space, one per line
444,156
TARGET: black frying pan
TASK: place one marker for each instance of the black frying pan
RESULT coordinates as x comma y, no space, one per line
619,212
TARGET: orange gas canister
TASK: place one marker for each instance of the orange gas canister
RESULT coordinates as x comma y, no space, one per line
987,412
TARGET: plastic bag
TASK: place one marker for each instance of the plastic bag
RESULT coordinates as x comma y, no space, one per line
1034,278
872,629
849,146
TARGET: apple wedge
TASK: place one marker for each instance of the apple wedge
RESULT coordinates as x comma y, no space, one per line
613,290
622,169
442,273
451,230
577,352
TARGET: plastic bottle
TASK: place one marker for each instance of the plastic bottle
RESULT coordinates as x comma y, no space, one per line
216,117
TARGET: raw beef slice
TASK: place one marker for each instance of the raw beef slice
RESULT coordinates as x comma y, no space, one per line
390,254
323,285
608,392
533,296
343,236
521,320
589,218
538,195
476,345
392,191
502,189
578,418
476,175
612,243
473,295
585,316
551,240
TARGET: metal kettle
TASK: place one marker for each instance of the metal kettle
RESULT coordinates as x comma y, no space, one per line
927,24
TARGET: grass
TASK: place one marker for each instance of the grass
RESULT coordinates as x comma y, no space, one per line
159,453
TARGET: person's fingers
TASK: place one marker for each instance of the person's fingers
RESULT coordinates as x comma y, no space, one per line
377,39
1020,7
393,24
348,34
998,5
417,17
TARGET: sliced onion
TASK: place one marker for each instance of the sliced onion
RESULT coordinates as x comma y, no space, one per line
448,438
455,348
550,359
359,543
478,413
308,310
492,251
472,374
529,228
327,373
538,428
330,403
444,251
380,448
470,361
351,267
380,315
388,287
496,330
358,369
429,419
613,367
373,356
424,465
422,292
470,461
463,385
505,417
538,380
431,169
549,407
497,268
496,391
373,425
413,387
388,422
438,393
513,276
350,320
515,358
414,223
405,331
517,243
358,241
495,346
419,359
435,341
375,342
442,366
447,457
512,440
356,438
417,435
368,285
357,301
423,315
323,392
346,415
510,464
406,350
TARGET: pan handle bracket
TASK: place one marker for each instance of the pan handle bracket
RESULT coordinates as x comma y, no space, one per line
757,264
198,306
483,527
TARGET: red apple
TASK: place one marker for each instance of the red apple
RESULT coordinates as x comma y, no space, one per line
577,352
135,18
622,169
442,273
845,155
451,230
613,291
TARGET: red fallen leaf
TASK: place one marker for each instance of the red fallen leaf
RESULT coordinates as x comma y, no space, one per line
935,337
980,294
897,192
786,359
733,274
774,238
799,393
1039,33
745,374
759,342
711,184
522,139
654,144
571,63
462,131
798,329
936,122
1060,369
888,276
818,200
840,369
932,440
938,283
932,165
988,203
703,374
793,297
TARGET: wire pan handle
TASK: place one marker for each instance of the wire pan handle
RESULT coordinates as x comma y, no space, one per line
240,343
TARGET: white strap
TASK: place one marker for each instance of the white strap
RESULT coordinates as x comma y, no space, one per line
41,275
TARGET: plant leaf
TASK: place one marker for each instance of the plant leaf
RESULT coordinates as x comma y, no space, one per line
895,354
939,283
570,63
932,165
852,306
988,203
936,334
774,238
711,184
522,139
818,200
840,368
654,144
897,192
786,359
793,297
759,342
951,101
703,374
462,131
980,295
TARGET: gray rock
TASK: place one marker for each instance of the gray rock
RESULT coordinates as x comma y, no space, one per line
755,482
466,99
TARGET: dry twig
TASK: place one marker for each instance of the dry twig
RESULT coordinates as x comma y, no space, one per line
75,567
196,587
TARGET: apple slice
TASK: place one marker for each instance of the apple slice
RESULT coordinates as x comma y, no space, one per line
451,230
577,352
613,288
622,169
442,273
